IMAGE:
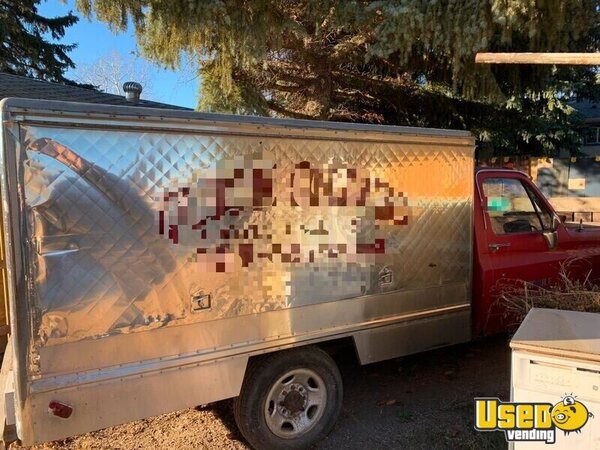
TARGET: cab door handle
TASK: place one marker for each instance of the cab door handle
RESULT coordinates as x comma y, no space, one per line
495,247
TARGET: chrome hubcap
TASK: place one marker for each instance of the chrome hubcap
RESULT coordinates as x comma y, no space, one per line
295,403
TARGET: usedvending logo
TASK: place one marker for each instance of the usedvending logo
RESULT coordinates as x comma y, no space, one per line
530,422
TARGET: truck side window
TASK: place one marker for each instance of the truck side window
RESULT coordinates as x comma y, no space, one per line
544,214
514,208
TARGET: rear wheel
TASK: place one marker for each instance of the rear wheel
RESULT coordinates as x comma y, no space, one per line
289,400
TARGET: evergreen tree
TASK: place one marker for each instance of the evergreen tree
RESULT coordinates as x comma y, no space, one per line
25,48
407,62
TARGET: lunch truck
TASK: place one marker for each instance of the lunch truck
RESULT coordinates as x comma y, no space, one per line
154,260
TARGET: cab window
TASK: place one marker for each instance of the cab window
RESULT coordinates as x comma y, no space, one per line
514,208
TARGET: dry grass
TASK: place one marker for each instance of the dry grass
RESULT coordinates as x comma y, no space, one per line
517,297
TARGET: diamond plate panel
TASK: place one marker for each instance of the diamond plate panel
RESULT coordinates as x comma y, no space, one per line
127,228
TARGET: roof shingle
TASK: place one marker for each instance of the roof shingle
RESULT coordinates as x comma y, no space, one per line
20,86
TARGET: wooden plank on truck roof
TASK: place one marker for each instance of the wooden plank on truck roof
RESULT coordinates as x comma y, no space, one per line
590,59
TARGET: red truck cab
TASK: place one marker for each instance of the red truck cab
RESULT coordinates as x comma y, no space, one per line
519,236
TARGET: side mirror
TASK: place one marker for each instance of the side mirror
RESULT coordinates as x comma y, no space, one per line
551,236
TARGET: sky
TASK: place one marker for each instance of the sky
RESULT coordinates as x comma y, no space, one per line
96,41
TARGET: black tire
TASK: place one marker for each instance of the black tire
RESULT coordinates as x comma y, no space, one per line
264,375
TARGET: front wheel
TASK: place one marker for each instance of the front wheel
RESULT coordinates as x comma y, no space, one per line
289,400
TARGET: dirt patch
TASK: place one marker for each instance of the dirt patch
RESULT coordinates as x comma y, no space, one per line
420,402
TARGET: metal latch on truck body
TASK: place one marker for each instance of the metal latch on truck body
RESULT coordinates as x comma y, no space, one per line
200,301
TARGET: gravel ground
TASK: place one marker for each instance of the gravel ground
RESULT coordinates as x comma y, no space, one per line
423,401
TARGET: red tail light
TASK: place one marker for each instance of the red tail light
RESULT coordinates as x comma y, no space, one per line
60,409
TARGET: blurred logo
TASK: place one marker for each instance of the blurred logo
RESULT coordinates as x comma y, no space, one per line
246,210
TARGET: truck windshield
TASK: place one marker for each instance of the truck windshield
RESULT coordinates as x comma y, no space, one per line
513,207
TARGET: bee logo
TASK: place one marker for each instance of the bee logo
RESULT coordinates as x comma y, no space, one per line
570,415
531,422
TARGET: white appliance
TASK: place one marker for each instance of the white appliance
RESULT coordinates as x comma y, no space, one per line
556,359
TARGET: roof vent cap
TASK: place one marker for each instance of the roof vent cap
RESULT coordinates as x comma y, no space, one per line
132,91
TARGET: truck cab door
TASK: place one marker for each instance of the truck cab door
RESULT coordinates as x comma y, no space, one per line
520,240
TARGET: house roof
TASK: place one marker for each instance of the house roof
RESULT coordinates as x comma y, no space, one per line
25,87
